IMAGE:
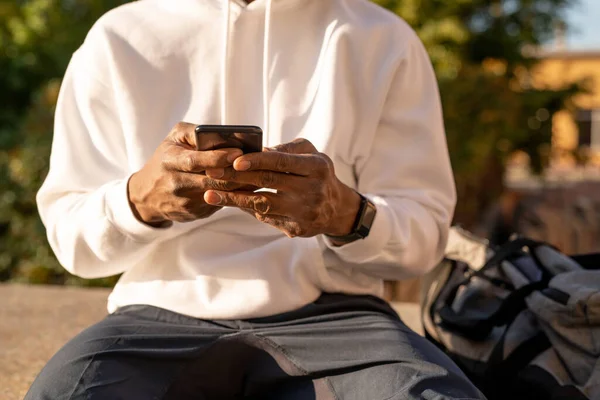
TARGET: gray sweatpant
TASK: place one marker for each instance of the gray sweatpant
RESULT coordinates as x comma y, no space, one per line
339,347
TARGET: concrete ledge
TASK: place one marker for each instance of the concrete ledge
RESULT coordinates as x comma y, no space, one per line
35,321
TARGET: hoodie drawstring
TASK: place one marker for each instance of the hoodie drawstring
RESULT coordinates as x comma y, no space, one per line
265,77
224,83
265,67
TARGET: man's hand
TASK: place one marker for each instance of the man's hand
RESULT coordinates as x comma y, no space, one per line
170,187
310,200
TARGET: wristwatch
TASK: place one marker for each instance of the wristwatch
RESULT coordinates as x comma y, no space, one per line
362,223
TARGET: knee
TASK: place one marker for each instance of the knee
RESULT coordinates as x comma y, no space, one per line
56,381
59,378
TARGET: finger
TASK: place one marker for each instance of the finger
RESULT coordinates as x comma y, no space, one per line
215,173
285,224
184,133
297,146
186,183
261,179
261,203
184,160
297,164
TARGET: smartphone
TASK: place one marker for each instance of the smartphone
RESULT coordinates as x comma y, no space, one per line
245,137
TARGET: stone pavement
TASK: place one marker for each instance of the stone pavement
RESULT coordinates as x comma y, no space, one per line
35,321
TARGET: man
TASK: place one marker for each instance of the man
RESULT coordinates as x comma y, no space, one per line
228,292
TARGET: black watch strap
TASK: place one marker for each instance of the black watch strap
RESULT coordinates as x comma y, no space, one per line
362,223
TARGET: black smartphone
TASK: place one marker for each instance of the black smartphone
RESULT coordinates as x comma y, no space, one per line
245,137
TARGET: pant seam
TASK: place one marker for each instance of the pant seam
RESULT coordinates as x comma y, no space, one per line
330,385
294,362
280,349
88,365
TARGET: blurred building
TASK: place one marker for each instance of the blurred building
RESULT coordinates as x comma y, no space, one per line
562,205
575,150
576,133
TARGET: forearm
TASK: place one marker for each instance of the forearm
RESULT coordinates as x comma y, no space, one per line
348,208
405,170
92,234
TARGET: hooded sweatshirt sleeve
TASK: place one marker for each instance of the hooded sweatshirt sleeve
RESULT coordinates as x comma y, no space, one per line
83,202
408,176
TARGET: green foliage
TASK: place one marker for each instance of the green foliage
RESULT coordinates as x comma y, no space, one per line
477,48
37,38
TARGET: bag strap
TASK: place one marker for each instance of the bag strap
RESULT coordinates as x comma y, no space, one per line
480,328
588,261
509,250
512,305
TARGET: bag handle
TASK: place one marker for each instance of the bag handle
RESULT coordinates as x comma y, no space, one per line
588,261
508,250
480,328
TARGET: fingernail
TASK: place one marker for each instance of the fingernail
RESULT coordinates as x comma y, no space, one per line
232,156
242,165
215,173
212,198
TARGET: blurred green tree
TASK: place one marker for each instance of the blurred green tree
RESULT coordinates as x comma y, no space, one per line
37,38
482,51
478,47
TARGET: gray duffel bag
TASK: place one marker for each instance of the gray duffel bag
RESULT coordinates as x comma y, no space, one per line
521,320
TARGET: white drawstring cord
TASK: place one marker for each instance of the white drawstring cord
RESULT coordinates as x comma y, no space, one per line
265,67
224,69
265,72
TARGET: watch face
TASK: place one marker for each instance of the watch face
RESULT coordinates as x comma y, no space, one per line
367,220
369,216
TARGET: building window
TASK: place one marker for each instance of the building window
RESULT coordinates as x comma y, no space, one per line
588,123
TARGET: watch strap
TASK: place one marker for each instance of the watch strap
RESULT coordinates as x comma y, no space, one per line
362,223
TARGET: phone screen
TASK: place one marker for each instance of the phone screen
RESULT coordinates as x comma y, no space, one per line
212,137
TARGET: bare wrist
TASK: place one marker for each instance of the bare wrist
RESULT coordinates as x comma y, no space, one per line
348,208
142,212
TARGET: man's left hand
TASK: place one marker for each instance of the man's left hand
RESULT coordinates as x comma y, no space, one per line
310,199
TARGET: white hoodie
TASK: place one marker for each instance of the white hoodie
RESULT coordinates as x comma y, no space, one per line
349,76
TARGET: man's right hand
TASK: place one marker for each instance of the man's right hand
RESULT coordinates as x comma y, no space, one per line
171,186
